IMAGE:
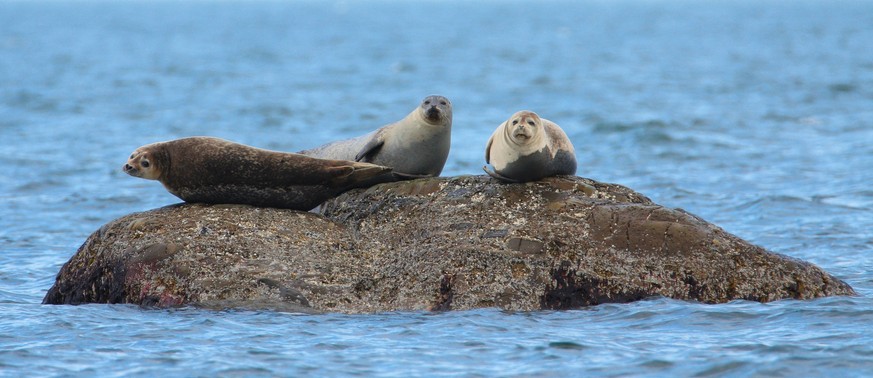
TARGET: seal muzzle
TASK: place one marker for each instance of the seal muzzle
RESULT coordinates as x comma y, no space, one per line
432,114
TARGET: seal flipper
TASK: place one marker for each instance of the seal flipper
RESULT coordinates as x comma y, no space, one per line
488,151
409,176
340,171
498,176
373,146
359,175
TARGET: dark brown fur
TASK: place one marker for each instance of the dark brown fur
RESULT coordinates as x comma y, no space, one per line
212,170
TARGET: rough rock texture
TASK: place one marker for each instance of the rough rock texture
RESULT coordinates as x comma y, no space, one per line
431,244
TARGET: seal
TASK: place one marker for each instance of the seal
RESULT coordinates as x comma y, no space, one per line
415,146
528,148
213,170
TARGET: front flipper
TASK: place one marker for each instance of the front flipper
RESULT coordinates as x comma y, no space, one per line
371,149
359,174
341,171
409,176
488,151
498,176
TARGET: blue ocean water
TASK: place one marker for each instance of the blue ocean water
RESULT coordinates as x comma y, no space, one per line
755,115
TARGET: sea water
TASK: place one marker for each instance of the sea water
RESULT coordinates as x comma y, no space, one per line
755,115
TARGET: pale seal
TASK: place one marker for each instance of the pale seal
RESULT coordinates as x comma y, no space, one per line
528,148
415,146
212,170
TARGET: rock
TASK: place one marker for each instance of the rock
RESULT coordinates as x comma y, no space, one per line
431,244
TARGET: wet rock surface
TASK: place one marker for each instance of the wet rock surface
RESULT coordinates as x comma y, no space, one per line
431,244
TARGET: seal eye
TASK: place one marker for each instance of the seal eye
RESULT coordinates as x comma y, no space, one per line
530,123
427,102
515,122
443,103
144,163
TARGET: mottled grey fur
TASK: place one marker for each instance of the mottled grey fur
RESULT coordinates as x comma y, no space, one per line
416,146
528,148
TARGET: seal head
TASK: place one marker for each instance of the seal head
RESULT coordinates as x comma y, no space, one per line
436,110
141,165
524,129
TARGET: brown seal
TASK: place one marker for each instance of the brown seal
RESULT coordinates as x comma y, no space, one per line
212,170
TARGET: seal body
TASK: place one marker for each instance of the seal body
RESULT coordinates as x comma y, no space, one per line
416,146
212,170
528,148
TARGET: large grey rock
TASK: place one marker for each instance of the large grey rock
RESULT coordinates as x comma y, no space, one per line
431,244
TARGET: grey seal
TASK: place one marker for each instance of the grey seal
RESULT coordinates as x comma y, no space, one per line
415,146
528,148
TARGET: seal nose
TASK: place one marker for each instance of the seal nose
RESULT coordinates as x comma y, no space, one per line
433,112
126,167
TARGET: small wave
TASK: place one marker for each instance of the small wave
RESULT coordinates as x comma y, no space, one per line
838,88
792,204
770,200
606,127
567,345
725,368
